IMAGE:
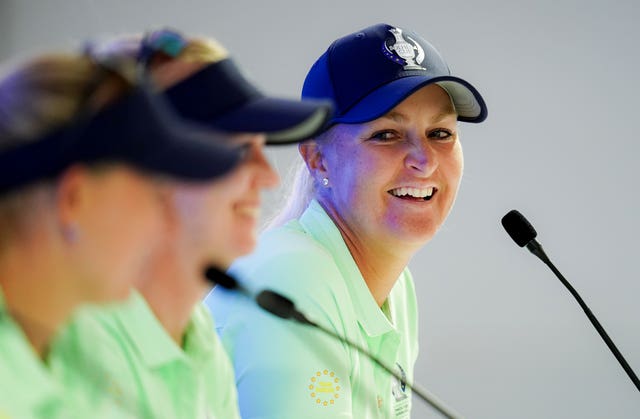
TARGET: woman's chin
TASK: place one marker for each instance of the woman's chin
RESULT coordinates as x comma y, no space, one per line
238,248
418,233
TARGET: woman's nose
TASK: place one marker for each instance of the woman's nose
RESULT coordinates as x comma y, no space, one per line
267,175
421,158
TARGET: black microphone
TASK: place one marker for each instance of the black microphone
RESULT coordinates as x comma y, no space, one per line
281,306
523,233
216,276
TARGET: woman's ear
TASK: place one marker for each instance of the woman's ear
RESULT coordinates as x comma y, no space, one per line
314,159
71,200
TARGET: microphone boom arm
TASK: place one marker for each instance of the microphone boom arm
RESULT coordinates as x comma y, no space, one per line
523,233
537,250
279,305
283,307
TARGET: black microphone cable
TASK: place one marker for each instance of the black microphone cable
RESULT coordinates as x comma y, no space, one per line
281,306
523,233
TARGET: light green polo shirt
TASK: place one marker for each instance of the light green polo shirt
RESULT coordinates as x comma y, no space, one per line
27,389
135,361
286,370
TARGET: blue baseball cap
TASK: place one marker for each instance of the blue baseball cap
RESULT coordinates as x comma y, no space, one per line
220,97
138,129
367,73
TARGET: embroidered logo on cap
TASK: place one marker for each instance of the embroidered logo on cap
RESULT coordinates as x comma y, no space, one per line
403,50
325,388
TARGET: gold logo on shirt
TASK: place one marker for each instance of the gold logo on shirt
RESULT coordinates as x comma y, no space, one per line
324,387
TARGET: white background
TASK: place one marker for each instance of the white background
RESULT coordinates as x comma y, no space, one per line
500,336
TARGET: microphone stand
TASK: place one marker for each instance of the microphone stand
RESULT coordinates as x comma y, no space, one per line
279,305
535,248
283,307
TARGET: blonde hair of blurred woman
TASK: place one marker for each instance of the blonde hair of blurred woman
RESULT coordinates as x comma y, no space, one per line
53,233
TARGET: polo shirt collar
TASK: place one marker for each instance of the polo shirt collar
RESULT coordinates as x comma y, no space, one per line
199,334
370,317
40,389
154,345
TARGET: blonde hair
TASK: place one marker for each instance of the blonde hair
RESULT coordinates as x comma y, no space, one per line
37,97
41,95
298,197
196,49
203,50
303,187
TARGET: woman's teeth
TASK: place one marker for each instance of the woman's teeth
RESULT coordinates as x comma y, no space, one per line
418,193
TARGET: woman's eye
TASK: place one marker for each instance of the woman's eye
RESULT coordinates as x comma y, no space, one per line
441,134
384,135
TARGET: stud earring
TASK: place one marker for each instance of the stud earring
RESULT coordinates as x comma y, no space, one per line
71,233
325,182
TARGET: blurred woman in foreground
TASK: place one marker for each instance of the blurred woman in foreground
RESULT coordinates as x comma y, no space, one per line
158,354
80,206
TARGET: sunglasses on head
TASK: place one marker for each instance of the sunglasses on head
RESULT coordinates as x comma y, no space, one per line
165,41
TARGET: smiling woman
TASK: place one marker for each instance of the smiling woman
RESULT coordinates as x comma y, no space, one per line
380,173
80,209
165,360
372,190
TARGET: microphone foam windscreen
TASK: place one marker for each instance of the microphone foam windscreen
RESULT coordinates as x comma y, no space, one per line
520,230
218,277
276,304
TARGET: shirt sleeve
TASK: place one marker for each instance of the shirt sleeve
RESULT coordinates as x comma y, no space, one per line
284,369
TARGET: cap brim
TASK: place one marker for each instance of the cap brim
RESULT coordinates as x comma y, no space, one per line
220,97
137,130
180,148
283,121
141,130
467,101
195,155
